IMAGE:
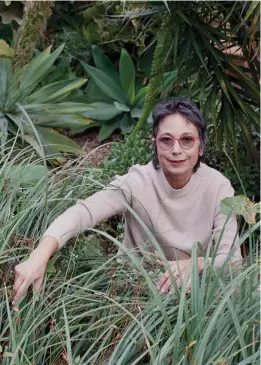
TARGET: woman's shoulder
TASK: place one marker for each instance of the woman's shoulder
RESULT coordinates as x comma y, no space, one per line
212,175
137,176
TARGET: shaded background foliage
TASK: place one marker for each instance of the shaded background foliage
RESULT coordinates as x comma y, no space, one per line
99,309
207,51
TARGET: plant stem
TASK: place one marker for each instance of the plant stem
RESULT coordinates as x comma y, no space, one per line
31,30
157,70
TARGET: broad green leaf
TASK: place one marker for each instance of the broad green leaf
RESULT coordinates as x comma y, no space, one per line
75,130
93,94
102,111
141,94
127,76
105,83
107,129
103,63
127,123
122,107
50,268
91,32
6,77
61,121
38,67
58,141
88,110
25,174
240,205
135,112
5,49
55,91
3,131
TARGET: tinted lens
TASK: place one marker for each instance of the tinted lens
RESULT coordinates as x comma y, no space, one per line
187,142
165,143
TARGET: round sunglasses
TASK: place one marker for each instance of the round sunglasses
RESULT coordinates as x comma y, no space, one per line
167,142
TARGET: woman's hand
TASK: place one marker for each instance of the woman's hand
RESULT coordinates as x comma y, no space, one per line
28,272
179,269
32,270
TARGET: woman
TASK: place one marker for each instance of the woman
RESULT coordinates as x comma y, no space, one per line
176,196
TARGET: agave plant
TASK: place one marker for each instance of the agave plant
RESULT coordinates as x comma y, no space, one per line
117,94
34,111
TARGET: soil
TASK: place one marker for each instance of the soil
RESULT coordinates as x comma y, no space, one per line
96,151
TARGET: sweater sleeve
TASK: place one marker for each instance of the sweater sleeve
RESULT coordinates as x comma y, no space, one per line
229,235
93,210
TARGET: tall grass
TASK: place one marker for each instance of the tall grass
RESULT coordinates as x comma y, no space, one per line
106,310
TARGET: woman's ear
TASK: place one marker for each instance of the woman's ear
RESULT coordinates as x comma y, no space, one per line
201,152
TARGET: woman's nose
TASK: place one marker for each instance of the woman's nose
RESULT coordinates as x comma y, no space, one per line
176,147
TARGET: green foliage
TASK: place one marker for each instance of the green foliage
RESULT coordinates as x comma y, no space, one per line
5,49
132,151
119,94
24,174
35,111
65,27
157,71
81,25
244,174
119,91
241,205
214,51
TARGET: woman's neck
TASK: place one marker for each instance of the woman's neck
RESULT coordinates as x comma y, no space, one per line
178,182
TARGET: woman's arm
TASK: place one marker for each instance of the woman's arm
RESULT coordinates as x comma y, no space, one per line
83,215
92,211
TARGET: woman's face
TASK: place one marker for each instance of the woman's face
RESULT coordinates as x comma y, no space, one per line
178,162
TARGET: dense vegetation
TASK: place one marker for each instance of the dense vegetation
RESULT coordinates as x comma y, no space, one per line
110,63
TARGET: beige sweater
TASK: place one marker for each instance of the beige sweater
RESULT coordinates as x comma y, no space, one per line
177,218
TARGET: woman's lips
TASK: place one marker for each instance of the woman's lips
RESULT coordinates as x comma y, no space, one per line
177,163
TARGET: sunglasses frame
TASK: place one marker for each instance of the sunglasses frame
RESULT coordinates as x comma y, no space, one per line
155,140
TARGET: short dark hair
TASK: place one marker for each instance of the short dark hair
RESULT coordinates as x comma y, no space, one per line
189,111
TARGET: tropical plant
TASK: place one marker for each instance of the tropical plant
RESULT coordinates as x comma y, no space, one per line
37,111
214,50
118,94
122,96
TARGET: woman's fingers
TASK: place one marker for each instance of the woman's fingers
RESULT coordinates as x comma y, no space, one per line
166,287
21,291
38,284
162,281
18,281
188,286
179,270
165,282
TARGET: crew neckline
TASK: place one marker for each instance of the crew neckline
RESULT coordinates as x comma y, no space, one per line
190,187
